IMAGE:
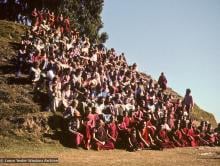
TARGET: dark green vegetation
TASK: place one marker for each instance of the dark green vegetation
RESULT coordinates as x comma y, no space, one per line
86,16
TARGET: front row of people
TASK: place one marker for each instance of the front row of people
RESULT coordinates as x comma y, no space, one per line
127,132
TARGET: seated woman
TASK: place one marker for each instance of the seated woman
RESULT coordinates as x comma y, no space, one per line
100,137
75,128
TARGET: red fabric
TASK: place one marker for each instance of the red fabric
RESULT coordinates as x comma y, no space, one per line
126,120
91,120
145,135
113,132
139,114
86,131
151,127
179,137
122,126
107,146
77,138
67,25
167,143
185,139
192,139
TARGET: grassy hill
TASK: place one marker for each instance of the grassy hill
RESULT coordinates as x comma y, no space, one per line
21,111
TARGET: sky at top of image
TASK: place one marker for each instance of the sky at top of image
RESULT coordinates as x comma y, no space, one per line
179,37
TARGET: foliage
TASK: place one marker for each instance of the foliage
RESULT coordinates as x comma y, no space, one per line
86,15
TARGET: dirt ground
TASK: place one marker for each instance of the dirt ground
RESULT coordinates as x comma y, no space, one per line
200,156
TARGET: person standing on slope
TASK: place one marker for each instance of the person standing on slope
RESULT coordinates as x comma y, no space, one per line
162,81
188,102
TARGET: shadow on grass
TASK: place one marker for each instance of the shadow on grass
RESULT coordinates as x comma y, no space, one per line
15,45
41,98
7,69
60,132
18,81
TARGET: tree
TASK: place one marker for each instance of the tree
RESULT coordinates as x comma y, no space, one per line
86,15
103,37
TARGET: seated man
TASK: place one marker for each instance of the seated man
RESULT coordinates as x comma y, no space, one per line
162,139
145,136
132,143
100,137
209,136
217,135
177,135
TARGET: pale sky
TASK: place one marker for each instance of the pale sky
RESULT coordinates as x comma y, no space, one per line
179,37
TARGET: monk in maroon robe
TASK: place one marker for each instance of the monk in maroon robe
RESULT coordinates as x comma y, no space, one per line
209,135
145,136
192,136
177,135
112,130
100,137
162,139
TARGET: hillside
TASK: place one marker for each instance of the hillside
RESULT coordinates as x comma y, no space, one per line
20,110
22,113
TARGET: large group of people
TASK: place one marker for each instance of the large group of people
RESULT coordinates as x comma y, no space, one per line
105,102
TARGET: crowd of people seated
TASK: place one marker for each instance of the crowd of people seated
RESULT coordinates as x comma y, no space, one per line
105,102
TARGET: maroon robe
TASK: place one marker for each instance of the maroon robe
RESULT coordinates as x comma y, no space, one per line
145,135
185,138
179,138
166,142
112,130
101,135
192,137
86,131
